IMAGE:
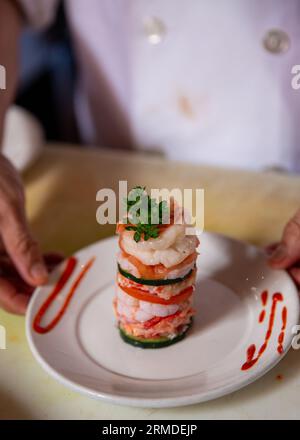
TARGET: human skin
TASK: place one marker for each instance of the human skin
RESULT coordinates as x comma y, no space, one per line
286,253
22,266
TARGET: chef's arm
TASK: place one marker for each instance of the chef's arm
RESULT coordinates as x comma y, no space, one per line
16,241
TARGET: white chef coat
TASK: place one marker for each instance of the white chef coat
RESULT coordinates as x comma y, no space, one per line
200,80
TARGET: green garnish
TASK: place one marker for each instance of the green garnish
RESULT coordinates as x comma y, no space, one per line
156,282
149,231
145,214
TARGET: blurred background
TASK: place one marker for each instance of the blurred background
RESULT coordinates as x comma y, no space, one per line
48,78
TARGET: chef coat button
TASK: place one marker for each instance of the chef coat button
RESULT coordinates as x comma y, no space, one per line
154,30
276,41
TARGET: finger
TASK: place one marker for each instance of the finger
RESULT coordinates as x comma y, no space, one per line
295,274
270,248
9,272
22,248
288,251
14,292
52,259
11,300
7,268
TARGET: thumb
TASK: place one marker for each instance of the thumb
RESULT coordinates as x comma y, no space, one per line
288,250
22,248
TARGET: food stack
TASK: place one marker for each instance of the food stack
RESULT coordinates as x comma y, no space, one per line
156,277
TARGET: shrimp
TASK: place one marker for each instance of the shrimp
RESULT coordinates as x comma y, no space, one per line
164,292
127,265
139,270
136,310
165,240
164,328
182,247
148,311
153,310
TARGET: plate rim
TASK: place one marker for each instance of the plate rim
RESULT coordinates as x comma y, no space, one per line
144,402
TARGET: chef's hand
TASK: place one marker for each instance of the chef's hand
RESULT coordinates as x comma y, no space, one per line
22,266
286,254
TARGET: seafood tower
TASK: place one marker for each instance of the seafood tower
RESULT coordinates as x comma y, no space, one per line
156,273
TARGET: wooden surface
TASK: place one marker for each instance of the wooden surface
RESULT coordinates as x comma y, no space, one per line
61,201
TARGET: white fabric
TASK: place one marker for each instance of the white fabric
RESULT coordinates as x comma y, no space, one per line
209,92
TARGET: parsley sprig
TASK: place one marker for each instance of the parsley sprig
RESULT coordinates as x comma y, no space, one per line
145,214
148,231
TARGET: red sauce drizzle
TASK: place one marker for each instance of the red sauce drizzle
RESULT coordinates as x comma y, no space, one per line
251,360
281,335
264,298
251,352
261,316
70,267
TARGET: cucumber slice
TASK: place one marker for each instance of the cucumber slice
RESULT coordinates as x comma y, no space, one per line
154,342
153,282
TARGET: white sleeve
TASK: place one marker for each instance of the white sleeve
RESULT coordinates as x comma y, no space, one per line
38,13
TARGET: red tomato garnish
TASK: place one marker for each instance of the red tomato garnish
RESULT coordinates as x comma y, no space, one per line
157,271
143,296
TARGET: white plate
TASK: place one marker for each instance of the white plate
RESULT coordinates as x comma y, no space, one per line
84,351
